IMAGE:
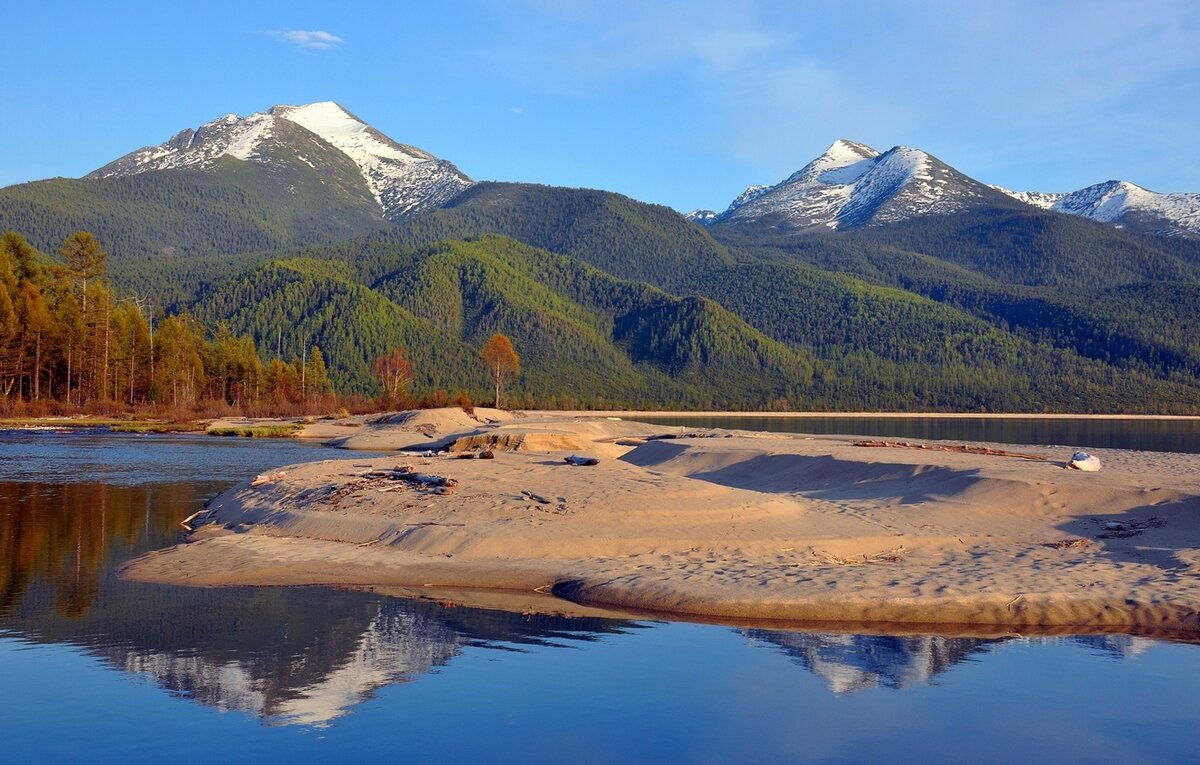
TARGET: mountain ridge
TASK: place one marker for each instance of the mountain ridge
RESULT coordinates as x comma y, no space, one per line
1125,204
851,185
403,180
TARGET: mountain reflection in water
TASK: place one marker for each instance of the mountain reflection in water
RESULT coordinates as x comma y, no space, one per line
309,655
302,655
850,662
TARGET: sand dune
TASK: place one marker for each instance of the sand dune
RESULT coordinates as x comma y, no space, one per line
736,526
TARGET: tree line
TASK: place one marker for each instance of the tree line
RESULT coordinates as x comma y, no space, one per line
68,339
69,342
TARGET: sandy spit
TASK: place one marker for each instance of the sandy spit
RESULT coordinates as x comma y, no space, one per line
738,526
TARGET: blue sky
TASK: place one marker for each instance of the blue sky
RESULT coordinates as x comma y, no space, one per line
681,103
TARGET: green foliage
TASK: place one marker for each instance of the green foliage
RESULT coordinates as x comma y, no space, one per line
611,301
583,334
160,216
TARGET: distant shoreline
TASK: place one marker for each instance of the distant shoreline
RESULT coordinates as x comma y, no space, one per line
848,415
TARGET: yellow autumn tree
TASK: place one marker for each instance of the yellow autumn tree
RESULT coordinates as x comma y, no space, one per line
502,362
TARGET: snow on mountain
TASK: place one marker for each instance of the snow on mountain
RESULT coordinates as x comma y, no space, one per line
394,648
750,194
402,179
1125,204
852,184
1043,199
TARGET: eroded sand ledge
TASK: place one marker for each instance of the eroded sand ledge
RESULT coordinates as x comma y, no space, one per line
752,526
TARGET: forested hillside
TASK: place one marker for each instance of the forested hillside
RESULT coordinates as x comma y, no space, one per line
613,302
793,335
1056,280
162,216
585,337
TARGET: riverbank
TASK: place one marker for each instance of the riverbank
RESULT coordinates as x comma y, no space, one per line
725,414
735,525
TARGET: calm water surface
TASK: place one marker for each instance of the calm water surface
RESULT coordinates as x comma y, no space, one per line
93,669
1087,433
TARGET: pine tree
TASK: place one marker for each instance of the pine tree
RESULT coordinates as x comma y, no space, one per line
85,259
316,375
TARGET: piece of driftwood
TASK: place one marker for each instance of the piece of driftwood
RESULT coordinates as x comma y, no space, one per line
536,497
409,475
1067,544
334,494
187,522
1124,530
960,448
264,478
579,459
887,556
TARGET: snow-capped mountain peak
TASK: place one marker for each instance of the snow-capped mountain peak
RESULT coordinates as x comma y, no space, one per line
1124,204
843,162
852,184
402,179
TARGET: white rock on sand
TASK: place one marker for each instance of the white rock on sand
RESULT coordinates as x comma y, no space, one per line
742,527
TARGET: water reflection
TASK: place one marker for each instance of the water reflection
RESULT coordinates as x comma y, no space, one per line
300,655
308,656
858,662
850,663
66,537
319,653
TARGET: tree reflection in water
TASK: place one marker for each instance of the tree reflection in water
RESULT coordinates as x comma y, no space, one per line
309,655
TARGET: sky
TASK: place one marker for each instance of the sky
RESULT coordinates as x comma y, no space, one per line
678,103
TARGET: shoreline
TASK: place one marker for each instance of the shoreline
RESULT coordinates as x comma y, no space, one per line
848,415
206,424
721,525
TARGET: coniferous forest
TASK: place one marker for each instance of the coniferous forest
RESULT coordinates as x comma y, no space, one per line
610,303
70,340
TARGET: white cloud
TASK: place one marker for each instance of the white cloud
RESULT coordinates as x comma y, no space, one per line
516,110
306,39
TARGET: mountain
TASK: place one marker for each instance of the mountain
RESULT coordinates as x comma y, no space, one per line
403,180
866,280
852,185
290,176
1125,204
768,334
585,336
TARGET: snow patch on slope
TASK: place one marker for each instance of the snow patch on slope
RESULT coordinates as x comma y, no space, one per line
1120,202
853,184
402,179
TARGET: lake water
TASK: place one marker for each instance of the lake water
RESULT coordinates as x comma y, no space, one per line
94,669
1155,435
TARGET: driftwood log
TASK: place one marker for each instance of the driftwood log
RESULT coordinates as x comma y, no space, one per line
198,515
409,475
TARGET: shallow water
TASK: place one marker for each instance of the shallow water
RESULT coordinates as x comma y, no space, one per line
1086,433
100,670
